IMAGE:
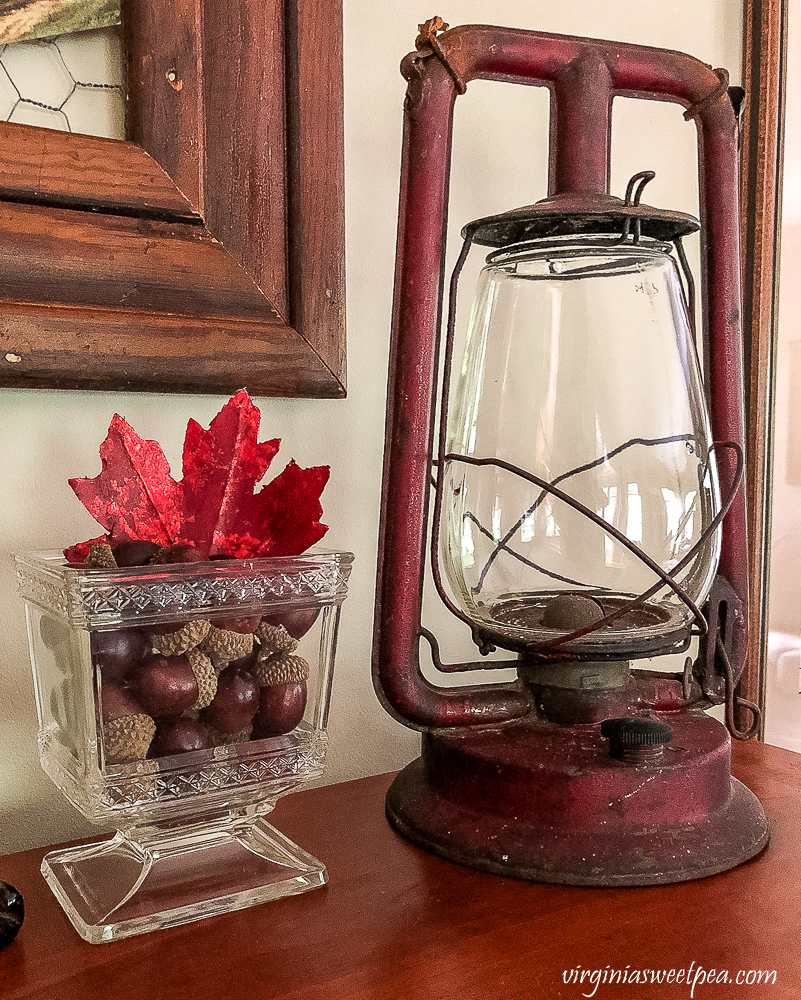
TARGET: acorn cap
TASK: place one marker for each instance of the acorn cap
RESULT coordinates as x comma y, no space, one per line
186,638
100,556
231,739
226,645
128,738
285,669
276,639
206,678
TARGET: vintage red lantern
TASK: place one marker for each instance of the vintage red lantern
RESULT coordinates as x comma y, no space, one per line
586,511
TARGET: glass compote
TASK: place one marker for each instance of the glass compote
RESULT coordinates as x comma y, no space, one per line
148,719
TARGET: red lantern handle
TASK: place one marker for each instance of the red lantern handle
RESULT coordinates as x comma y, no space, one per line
583,75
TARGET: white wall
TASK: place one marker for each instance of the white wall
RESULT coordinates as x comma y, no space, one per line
49,436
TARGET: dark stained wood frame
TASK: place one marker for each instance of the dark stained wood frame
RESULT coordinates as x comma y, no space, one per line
763,79
206,253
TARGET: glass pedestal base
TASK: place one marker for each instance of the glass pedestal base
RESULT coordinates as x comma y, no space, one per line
172,873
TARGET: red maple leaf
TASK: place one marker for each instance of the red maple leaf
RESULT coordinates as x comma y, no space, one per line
134,496
285,515
221,469
78,553
214,506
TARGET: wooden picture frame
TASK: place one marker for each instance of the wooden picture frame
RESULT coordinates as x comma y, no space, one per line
764,53
205,253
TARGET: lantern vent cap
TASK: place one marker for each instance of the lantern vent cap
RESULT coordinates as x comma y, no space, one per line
579,213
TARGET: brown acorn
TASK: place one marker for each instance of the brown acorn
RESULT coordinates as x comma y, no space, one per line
282,694
276,639
181,735
126,729
296,621
206,678
231,739
128,739
165,685
280,670
179,552
223,645
101,557
281,708
238,623
235,703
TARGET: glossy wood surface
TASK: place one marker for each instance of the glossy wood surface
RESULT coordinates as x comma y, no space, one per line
394,922
221,219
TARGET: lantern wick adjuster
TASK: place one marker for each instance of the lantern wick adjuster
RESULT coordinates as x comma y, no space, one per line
428,37
636,740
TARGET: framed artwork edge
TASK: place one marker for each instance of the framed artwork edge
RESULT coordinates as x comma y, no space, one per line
207,251
764,59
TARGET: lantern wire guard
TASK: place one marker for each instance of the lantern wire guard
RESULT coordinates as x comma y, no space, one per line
552,488
583,771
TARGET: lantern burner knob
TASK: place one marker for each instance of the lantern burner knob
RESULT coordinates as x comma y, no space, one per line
636,740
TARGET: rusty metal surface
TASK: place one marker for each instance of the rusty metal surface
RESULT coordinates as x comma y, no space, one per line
583,212
583,76
557,808
518,779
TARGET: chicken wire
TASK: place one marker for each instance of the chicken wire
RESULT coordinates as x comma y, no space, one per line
73,83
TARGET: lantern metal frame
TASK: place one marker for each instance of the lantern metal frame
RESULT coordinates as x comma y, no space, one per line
583,76
472,796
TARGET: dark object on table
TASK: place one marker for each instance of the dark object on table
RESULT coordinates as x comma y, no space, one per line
12,913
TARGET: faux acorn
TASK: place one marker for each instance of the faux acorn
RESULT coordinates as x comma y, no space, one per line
224,645
235,703
180,735
127,729
165,686
276,639
281,708
206,678
187,637
282,669
282,694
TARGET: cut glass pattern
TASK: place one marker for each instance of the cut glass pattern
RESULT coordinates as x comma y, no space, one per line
102,598
302,760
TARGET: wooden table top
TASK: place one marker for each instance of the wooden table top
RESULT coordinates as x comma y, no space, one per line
395,922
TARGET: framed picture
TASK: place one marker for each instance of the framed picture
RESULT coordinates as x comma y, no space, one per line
25,19
206,252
